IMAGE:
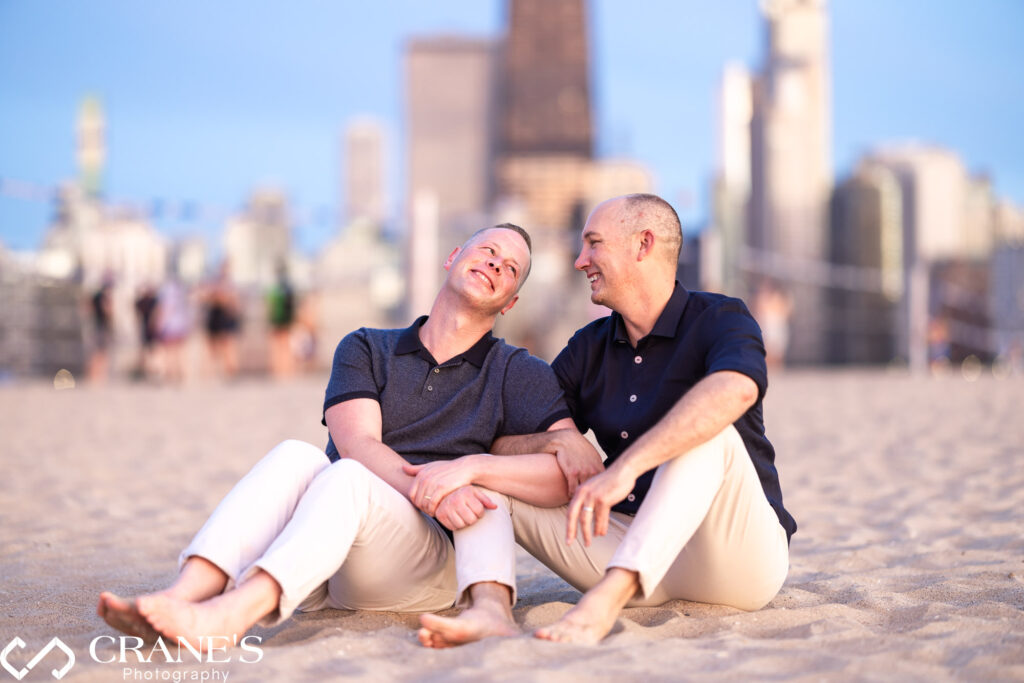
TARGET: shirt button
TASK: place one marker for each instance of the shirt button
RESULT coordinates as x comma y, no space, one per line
631,498
638,360
437,370
430,388
624,434
632,399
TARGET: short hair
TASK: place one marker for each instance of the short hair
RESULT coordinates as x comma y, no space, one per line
507,226
522,233
650,212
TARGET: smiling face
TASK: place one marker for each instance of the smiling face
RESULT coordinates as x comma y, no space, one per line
490,268
605,257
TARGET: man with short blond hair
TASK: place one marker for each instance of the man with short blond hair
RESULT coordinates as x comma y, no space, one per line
303,531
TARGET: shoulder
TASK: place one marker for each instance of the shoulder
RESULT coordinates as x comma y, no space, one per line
593,333
708,309
516,358
701,302
369,339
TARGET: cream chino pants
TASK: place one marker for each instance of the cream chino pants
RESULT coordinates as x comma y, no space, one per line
331,535
704,533
336,535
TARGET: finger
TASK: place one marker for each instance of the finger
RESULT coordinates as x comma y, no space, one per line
432,504
470,515
601,515
487,502
571,520
586,520
457,521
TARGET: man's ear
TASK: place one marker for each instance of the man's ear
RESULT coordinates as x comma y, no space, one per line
645,247
451,258
510,304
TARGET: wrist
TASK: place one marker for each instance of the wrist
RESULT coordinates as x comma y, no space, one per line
477,467
624,467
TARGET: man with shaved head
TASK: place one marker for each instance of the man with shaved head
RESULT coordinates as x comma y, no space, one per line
689,504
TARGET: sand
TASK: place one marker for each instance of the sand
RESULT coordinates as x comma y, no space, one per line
908,564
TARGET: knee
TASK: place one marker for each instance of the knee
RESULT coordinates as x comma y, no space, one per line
344,472
293,457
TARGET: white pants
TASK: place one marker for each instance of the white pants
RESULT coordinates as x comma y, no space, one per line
331,535
705,532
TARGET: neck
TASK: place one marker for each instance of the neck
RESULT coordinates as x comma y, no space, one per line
452,329
645,307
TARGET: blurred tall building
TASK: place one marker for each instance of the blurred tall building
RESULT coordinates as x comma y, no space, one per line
731,190
923,261
501,132
791,166
365,198
867,244
545,144
450,103
91,149
258,241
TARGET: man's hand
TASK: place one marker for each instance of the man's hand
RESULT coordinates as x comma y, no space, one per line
591,506
577,458
463,507
435,480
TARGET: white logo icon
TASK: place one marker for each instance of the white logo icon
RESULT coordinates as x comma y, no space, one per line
20,644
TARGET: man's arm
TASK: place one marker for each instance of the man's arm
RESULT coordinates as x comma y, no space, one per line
356,429
577,457
534,477
713,404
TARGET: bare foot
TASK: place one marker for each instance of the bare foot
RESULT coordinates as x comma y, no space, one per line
473,624
196,623
579,625
125,617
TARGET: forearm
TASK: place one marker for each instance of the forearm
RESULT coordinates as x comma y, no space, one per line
533,478
542,442
704,411
379,459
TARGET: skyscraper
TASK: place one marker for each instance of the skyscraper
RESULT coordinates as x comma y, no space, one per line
545,138
91,152
732,182
450,83
791,141
364,171
450,125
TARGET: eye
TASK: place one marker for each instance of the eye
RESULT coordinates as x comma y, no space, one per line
514,271
489,250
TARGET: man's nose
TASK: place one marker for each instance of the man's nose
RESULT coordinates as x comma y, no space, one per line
494,264
581,262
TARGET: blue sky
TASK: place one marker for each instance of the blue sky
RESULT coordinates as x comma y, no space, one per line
206,101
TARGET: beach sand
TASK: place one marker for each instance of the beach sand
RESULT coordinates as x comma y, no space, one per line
908,564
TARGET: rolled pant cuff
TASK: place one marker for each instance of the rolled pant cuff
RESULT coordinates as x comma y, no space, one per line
211,557
647,582
464,602
286,604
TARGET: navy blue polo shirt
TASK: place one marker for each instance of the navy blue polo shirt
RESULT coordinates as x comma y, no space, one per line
433,411
620,392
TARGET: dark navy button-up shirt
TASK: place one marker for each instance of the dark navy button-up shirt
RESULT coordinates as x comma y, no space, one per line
620,392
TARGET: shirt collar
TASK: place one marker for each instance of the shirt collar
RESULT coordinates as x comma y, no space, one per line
666,324
409,342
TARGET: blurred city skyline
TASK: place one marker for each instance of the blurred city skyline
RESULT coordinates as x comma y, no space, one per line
204,104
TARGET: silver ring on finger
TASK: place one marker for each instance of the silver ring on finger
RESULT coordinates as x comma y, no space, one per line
588,508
